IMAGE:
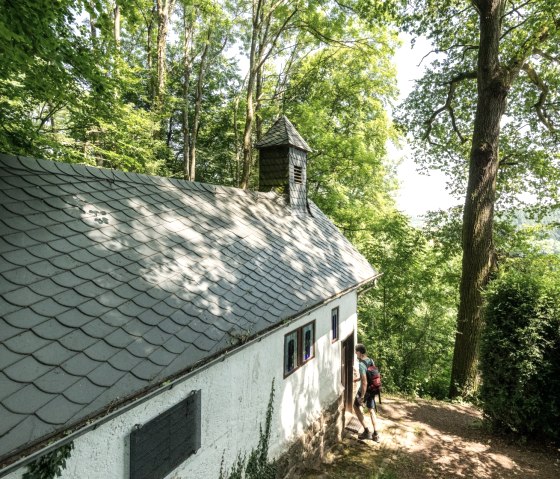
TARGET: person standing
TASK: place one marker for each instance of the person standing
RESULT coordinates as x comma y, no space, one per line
363,397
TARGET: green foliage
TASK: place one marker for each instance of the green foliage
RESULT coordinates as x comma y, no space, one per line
256,465
439,113
49,465
408,320
520,351
67,94
337,98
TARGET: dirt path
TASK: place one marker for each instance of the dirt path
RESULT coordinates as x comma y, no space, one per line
430,439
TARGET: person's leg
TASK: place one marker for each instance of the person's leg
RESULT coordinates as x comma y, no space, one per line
370,403
366,434
359,413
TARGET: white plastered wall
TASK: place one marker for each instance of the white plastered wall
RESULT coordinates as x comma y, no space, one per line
234,394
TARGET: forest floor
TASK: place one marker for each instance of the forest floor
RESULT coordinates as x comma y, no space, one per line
424,439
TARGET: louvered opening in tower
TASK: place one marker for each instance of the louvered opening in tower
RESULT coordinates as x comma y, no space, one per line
298,175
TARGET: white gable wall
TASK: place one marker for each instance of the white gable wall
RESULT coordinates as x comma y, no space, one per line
234,394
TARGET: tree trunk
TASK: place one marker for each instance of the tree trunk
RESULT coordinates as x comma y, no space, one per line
478,216
164,10
92,27
250,109
150,55
258,96
117,25
187,67
198,106
260,75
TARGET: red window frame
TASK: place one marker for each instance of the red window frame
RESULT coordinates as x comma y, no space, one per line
298,351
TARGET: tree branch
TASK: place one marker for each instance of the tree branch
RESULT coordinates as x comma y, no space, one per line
546,56
275,39
448,106
544,89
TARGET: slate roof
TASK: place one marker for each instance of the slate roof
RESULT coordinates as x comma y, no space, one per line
111,283
283,133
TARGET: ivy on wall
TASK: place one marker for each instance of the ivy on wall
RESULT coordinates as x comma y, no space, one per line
256,465
50,465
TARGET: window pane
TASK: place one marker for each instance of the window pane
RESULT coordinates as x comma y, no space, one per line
334,322
290,352
308,342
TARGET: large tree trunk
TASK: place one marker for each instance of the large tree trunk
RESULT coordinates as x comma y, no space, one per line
263,41
93,27
478,251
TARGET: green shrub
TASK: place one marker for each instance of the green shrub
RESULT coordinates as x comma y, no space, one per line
520,349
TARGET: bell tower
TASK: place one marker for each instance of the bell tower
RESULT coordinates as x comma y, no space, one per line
283,163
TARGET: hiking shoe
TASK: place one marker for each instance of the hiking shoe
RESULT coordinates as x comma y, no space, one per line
365,435
375,437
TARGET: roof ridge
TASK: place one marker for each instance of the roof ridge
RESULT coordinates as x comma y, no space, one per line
26,163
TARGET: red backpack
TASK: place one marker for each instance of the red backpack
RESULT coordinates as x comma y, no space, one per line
373,378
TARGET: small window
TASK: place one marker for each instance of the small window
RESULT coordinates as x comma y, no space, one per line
298,175
334,324
162,444
308,342
290,352
299,347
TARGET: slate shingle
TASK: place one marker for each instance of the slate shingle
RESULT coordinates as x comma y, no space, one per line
53,354
7,388
27,400
146,370
58,411
100,351
8,331
25,343
79,365
83,392
55,381
77,340
8,357
22,297
27,430
49,307
124,361
26,370
23,318
105,375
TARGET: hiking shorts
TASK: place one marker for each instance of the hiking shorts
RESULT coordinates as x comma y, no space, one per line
369,402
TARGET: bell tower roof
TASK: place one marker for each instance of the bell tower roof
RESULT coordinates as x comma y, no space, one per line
283,133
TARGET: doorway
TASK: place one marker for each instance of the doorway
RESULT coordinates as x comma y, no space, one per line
347,371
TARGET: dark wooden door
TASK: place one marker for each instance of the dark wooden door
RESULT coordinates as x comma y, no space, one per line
347,370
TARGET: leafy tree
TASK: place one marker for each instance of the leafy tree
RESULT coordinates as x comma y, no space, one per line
408,319
503,54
